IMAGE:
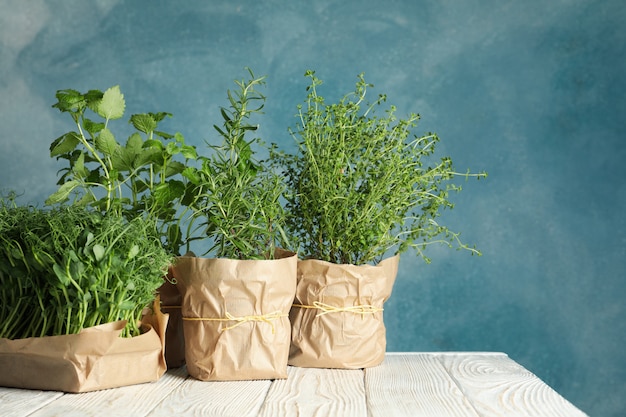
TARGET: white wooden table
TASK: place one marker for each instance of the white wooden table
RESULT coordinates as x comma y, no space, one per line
406,384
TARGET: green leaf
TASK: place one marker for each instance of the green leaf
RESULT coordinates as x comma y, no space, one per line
92,127
191,173
104,308
122,160
77,268
134,251
173,168
62,194
86,297
160,115
64,144
147,156
61,274
98,251
166,192
112,105
189,152
69,101
90,238
134,143
92,98
143,122
85,200
152,143
79,169
106,143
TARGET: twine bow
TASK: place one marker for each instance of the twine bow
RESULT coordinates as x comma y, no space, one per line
327,308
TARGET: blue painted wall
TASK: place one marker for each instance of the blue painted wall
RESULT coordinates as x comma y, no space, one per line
532,92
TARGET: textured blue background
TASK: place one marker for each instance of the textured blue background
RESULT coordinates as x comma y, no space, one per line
532,92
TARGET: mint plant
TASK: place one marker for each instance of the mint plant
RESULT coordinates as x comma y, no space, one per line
362,185
141,177
237,196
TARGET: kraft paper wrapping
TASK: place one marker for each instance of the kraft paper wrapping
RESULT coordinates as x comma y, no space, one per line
174,337
337,317
235,316
94,359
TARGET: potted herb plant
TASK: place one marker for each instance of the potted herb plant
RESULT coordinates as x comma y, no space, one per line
362,189
236,301
93,261
72,280
141,177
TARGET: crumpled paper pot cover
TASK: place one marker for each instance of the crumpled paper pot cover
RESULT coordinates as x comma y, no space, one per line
236,315
94,359
337,317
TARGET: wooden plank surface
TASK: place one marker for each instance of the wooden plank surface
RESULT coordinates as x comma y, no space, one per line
414,385
317,392
498,386
19,402
214,398
408,384
134,400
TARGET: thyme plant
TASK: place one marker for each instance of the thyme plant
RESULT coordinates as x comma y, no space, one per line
362,185
238,197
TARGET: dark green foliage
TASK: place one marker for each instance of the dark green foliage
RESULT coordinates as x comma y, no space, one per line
67,268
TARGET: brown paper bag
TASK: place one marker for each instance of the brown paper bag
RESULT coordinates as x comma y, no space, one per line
94,359
337,317
171,302
235,316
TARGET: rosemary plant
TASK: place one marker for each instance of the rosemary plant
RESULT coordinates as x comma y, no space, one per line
238,197
361,185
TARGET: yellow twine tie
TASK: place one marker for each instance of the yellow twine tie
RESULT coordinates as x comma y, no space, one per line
265,318
327,308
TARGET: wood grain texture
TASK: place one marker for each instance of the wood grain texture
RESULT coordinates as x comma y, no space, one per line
317,392
498,386
408,384
414,385
214,398
16,402
134,400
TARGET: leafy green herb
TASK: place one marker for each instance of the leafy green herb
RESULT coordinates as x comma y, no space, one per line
142,176
238,197
67,268
360,185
